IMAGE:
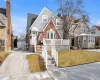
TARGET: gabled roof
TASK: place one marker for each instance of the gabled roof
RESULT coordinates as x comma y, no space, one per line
30,19
2,19
3,11
1,24
83,34
98,27
40,25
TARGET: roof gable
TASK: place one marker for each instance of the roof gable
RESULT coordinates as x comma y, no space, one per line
3,11
50,27
1,24
98,27
38,22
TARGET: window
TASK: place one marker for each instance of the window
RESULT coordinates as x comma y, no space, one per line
89,39
58,22
84,40
93,31
2,43
50,34
44,18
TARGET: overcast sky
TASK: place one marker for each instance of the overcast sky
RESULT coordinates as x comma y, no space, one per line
20,9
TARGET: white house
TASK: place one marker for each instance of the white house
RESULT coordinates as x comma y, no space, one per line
46,25
85,41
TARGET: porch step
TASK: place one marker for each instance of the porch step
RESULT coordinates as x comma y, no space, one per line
51,62
50,57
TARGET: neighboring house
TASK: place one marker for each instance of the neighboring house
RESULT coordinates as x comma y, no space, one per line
85,41
45,26
95,30
82,27
21,42
5,28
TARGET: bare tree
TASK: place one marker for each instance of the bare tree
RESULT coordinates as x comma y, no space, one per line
69,10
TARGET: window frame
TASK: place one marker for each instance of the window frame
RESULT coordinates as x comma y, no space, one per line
58,21
44,17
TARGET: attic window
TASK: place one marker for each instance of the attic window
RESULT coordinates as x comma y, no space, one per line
58,22
44,18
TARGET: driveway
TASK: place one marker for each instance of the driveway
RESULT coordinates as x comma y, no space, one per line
81,72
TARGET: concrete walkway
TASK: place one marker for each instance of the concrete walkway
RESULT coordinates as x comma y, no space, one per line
15,67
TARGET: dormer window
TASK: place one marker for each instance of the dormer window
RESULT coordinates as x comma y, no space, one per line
44,18
58,22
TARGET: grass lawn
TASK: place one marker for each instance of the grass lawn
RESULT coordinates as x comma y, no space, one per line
3,56
36,63
69,58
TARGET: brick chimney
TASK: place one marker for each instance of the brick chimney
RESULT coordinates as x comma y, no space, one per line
9,28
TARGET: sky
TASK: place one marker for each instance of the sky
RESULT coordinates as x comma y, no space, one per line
20,9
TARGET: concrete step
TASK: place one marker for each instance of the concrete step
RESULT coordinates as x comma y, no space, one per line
50,57
51,66
51,62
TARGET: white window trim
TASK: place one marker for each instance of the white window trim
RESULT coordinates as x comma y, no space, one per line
57,21
44,17
51,32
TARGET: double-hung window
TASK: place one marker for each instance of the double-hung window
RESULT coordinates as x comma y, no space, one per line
51,34
58,22
44,18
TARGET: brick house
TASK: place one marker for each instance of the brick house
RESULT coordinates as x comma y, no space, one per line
46,25
5,28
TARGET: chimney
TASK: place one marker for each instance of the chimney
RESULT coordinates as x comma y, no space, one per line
9,28
8,9
59,15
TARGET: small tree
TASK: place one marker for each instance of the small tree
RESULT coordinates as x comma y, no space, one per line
69,10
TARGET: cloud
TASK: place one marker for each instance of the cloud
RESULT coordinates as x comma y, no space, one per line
5,0
98,22
18,25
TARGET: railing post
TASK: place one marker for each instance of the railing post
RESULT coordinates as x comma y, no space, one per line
46,60
57,58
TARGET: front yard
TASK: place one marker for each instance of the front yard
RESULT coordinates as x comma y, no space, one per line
36,63
69,58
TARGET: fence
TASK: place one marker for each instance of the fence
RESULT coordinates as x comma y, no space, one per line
55,55
60,44
44,54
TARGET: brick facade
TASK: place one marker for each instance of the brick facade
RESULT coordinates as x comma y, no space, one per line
9,26
48,27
